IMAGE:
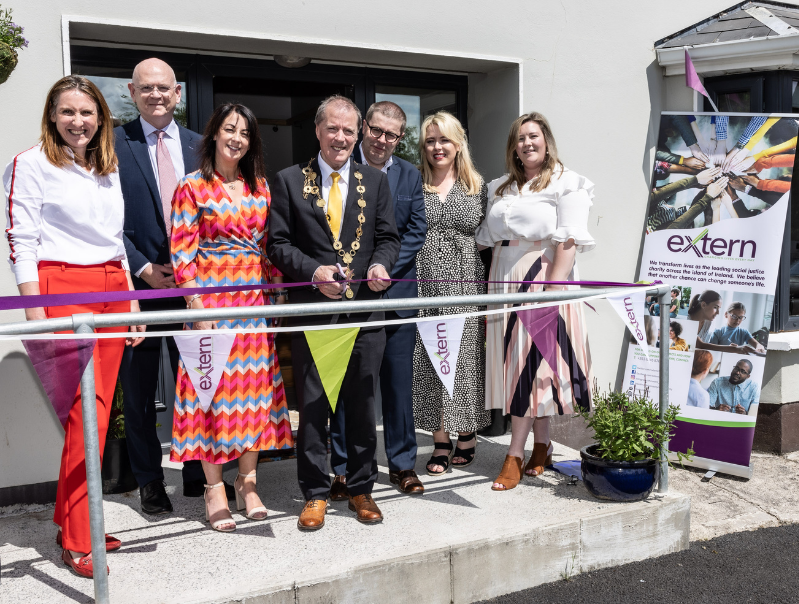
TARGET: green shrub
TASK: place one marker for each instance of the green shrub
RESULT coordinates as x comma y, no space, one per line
629,428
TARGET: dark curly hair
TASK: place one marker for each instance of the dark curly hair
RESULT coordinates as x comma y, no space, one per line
676,328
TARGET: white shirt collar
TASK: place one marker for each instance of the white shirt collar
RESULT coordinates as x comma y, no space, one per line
385,167
171,130
326,170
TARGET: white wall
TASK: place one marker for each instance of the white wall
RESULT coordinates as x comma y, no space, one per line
589,67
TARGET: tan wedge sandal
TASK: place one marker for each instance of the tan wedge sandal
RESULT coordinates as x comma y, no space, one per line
510,475
541,457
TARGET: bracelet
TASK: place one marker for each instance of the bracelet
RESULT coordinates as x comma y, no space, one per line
192,299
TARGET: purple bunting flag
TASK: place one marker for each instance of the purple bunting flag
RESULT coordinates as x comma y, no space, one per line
542,325
60,365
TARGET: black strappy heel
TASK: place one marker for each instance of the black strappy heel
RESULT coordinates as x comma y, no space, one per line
440,460
467,454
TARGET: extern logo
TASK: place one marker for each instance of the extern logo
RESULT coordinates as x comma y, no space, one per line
629,308
206,365
443,348
692,245
703,245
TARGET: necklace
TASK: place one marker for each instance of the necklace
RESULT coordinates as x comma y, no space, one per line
233,183
310,187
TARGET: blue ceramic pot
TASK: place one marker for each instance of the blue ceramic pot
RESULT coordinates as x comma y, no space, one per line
618,480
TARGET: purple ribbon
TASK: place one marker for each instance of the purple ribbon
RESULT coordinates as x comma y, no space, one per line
50,300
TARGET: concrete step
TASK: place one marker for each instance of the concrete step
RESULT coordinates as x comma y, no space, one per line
460,542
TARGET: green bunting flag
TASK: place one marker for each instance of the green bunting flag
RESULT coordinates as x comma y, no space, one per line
331,350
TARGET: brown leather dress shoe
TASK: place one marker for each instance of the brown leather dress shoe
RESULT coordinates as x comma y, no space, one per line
407,481
365,509
312,517
338,490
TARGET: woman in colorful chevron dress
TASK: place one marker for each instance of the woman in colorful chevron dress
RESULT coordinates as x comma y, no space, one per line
537,219
220,216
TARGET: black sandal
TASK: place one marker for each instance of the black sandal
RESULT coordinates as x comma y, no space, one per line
467,454
440,460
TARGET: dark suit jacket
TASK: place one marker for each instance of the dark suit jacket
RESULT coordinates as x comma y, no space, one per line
300,241
145,232
405,182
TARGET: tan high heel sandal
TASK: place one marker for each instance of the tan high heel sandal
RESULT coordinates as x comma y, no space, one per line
218,524
511,473
541,457
257,513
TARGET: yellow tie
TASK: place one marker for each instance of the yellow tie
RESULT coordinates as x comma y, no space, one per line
334,205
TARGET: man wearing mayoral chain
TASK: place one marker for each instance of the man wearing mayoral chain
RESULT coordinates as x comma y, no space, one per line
332,220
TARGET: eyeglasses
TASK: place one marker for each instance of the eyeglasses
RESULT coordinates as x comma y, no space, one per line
737,317
378,132
150,89
737,369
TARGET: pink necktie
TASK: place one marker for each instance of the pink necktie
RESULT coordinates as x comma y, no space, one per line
167,180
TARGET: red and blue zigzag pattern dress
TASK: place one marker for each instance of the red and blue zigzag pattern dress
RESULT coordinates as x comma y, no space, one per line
218,244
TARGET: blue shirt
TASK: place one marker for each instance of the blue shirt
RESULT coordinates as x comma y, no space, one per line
697,396
723,393
730,335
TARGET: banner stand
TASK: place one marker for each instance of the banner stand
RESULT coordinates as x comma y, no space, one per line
715,465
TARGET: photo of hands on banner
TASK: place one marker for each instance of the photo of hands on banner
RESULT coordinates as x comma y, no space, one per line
713,168
716,212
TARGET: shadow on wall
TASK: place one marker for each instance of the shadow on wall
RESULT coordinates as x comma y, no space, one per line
654,82
31,437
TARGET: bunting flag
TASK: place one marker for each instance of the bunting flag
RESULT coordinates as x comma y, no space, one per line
631,310
692,80
442,340
60,365
331,350
542,325
205,358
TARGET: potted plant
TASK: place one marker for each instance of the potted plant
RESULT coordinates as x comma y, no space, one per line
624,464
117,474
10,40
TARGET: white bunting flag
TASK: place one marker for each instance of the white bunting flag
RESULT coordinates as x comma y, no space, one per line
205,357
631,310
442,340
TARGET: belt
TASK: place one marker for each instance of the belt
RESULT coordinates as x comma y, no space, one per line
65,265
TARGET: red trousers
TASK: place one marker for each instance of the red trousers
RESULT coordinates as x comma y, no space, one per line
72,502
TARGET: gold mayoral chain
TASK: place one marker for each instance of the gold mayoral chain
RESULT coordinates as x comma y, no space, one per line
310,188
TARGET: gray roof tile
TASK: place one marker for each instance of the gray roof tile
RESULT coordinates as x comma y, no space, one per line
732,24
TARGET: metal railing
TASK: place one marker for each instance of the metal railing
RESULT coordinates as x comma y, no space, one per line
86,323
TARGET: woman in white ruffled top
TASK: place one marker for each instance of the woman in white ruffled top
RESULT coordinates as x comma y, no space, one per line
535,235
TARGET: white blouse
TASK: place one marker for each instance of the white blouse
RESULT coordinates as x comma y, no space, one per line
61,214
554,215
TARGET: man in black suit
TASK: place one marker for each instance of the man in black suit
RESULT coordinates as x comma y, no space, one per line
327,211
150,166
383,129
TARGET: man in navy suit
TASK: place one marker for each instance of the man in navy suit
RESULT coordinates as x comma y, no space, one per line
383,129
154,153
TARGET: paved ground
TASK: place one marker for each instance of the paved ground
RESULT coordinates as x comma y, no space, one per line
453,506
753,566
728,504
457,508
729,561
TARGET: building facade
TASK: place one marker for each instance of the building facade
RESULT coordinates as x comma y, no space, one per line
600,72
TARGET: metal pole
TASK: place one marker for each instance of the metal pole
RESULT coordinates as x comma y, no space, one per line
84,324
318,308
663,383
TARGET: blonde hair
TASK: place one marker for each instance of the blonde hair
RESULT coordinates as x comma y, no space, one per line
465,171
100,153
513,164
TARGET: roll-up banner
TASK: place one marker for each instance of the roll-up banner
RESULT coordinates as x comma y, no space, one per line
714,229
